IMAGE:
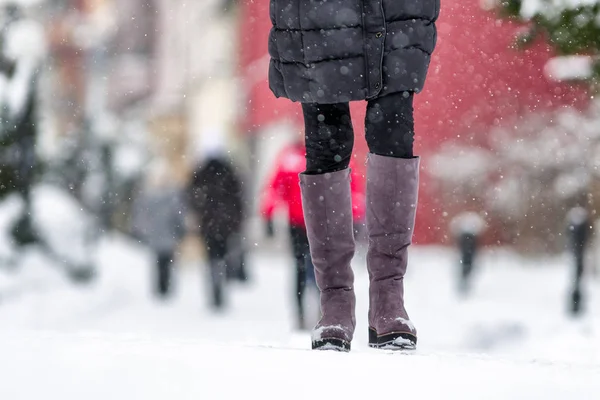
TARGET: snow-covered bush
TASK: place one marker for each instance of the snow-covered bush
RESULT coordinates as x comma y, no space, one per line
571,27
527,177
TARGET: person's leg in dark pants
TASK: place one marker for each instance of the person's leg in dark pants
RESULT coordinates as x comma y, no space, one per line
236,259
216,247
299,248
467,243
310,268
310,285
164,273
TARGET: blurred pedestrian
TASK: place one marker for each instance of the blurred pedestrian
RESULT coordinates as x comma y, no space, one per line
283,190
324,55
467,228
579,233
158,221
215,196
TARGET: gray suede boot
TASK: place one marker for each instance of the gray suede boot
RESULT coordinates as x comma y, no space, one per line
392,189
327,204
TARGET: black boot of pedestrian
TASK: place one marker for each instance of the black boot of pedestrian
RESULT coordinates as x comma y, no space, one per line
163,275
236,260
217,282
242,273
467,244
217,299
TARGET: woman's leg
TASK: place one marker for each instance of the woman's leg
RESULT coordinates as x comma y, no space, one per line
329,137
327,204
392,186
390,126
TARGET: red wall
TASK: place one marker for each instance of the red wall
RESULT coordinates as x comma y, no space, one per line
476,80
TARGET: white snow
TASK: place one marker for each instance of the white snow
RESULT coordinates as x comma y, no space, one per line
529,178
569,68
62,221
551,7
111,339
317,334
448,164
24,3
406,322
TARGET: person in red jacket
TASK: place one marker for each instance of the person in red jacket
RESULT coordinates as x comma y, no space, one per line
283,190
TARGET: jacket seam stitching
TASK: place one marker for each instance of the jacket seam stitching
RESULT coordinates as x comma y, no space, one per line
301,33
285,62
322,61
381,58
336,28
365,52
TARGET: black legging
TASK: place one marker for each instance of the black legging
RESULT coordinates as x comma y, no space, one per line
389,129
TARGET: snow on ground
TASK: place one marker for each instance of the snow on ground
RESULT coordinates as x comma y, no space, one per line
552,7
511,339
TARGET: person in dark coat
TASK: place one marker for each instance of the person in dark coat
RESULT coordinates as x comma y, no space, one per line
467,228
215,195
324,54
580,230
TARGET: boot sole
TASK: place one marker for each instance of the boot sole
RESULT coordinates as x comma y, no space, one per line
392,341
331,344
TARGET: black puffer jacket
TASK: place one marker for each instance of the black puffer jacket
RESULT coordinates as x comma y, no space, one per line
333,51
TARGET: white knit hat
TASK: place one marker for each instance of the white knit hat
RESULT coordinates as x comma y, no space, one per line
212,143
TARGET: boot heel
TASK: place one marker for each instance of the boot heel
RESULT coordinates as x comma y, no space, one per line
372,338
392,341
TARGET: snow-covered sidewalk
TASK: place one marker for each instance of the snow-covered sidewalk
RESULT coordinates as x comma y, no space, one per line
511,339
105,366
